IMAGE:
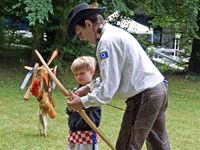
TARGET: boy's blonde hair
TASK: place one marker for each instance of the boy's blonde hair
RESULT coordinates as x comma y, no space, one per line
83,62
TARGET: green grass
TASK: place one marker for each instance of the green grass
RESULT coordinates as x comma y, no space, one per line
183,113
19,118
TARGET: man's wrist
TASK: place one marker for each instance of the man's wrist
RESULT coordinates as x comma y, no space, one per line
84,101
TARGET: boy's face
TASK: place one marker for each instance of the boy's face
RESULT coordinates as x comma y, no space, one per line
83,76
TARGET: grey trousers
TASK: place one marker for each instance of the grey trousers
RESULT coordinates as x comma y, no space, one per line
145,119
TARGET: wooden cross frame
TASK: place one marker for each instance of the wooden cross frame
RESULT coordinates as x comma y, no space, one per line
42,87
81,112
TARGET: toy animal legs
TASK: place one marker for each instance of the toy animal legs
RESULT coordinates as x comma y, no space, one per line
43,123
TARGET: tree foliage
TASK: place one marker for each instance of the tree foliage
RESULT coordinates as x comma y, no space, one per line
178,14
38,10
182,16
50,16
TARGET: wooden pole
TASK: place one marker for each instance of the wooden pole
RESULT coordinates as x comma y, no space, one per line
66,93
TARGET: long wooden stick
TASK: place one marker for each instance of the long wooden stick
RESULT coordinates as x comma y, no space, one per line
66,93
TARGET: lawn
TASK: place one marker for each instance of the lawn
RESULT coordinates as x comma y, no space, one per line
19,118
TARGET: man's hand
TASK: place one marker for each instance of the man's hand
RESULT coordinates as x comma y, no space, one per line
74,101
82,91
69,108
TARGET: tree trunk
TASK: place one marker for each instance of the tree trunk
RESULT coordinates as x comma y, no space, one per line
37,37
195,57
60,36
59,21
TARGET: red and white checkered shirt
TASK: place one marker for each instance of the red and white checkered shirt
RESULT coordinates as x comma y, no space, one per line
83,137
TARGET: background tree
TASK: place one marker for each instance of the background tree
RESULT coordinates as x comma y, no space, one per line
48,17
181,16
52,23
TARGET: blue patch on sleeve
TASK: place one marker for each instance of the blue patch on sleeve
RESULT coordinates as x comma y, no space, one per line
104,54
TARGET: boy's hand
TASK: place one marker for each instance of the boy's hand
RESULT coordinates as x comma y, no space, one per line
74,101
82,91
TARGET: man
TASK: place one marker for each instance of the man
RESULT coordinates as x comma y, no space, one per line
126,71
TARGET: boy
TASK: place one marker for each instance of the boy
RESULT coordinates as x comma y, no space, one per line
81,136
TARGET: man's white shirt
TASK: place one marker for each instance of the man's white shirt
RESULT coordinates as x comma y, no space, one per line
125,68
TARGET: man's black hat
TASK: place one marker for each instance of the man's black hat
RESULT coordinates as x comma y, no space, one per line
79,12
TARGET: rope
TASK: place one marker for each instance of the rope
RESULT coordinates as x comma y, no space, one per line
116,107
